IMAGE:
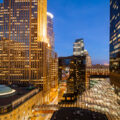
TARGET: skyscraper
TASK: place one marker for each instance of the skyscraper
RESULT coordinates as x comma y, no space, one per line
72,69
25,50
1,21
79,50
54,60
50,32
88,59
115,45
78,47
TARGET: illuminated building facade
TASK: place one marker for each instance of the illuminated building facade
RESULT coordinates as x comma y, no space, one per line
78,47
78,50
98,70
75,76
50,35
1,21
88,59
19,104
50,32
26,55
54,60
115,45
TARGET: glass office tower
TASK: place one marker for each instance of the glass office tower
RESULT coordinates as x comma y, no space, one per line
1,21
72,69
50,32
78,47
25,51
115,45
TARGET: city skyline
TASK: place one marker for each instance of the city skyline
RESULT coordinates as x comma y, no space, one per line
54,60
84,16
79,13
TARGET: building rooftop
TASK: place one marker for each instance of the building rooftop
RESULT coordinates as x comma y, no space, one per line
78,40
9,98
77,114
6,91
50,15
70,57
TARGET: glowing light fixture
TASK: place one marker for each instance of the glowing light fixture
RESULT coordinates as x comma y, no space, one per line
50,14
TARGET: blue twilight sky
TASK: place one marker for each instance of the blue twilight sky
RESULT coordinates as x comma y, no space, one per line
88,19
